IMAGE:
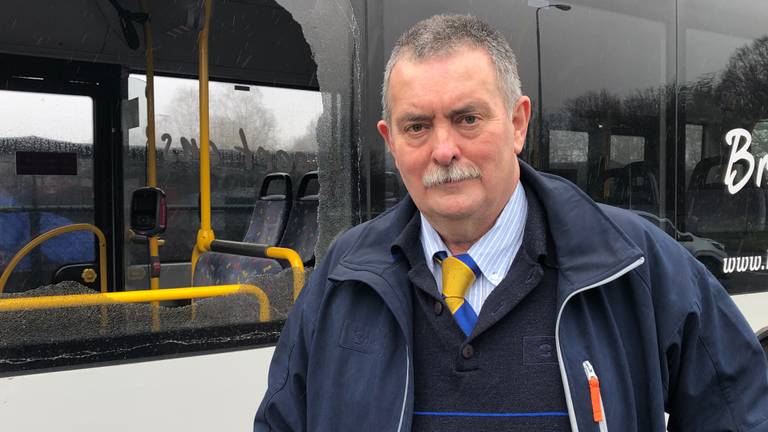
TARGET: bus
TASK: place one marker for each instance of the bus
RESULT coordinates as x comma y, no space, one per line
659,107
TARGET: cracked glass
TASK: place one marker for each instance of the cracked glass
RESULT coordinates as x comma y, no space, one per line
284,168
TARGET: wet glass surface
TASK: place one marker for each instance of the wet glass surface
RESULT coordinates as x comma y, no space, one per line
637,102
284,80
255,131
45,126
723,105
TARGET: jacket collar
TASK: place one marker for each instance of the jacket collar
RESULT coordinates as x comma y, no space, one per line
588,245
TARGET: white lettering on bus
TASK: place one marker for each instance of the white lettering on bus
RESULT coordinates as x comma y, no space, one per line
740,140
743,264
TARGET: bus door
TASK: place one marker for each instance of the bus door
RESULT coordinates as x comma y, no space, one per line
54,141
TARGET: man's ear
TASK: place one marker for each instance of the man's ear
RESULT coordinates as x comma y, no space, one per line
384,131
521,114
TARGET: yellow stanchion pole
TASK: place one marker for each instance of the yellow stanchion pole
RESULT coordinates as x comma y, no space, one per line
205,235
154,250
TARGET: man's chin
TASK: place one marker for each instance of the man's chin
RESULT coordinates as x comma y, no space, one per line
454,211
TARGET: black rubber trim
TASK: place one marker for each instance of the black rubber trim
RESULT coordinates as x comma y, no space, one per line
278,176
59,356
240,248
304,183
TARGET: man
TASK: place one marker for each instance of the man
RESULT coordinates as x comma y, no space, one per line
576,316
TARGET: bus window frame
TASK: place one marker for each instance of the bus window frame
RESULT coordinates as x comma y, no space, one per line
100,82
107,85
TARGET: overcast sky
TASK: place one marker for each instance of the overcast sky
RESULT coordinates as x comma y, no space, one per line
69,118
61,117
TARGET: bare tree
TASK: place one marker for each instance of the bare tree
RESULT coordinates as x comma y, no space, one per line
229,112
743,88
594,106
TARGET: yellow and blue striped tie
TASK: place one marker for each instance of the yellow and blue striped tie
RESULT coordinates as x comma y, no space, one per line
459,272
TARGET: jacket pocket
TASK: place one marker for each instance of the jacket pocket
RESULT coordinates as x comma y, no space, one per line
598,409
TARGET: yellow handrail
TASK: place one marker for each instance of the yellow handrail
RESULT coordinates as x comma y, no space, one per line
56,232
142,296
297,266
205,235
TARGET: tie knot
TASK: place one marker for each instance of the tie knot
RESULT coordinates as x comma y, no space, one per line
459,272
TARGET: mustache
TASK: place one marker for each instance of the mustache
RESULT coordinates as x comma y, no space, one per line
437,175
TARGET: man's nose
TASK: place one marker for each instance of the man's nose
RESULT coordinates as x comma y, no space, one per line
445,149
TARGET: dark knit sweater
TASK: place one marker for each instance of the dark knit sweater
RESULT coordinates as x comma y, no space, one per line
505,375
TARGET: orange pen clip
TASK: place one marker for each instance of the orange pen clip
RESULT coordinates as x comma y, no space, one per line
594,392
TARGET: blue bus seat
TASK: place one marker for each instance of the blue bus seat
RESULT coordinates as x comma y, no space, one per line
711,209
301,231
266,226
270,213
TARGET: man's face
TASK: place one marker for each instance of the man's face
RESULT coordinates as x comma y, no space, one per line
448,114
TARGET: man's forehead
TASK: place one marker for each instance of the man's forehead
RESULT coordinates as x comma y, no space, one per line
456,80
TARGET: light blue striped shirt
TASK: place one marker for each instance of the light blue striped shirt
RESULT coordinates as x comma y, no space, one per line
493,253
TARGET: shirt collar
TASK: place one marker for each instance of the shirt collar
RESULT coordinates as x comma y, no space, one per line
496,249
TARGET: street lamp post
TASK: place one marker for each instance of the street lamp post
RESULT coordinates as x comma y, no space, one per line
543,144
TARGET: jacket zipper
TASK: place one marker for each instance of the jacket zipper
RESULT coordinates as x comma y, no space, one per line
563,374
598,410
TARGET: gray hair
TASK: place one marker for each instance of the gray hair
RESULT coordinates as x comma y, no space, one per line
442,34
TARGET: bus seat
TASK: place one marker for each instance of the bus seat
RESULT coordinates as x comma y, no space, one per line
270,212
300,235
643,187
301,230
710,208
206,271
266,226
634,186
610,186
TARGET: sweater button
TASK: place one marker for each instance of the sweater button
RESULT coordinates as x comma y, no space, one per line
467,352
438,307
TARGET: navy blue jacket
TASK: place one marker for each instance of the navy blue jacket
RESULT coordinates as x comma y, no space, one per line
659,331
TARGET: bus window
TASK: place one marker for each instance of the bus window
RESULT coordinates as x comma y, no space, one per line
568,155
46,161
694,141
255,131
724,107
284,152
626,149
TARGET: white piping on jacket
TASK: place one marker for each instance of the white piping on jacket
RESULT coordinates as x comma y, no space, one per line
405,394
563,375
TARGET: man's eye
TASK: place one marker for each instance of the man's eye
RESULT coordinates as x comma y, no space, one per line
470,119
414,128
